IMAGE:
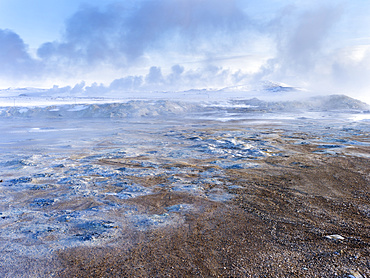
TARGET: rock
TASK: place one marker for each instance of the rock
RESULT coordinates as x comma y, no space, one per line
355,274
335,237
41,202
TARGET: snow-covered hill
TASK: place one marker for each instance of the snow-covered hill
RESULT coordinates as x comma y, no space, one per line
158,108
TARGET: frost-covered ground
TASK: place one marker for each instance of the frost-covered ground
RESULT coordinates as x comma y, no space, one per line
75,174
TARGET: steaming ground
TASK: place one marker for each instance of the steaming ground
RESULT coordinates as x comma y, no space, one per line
170,188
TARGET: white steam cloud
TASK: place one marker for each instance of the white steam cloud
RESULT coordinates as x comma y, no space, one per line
119,35
148,46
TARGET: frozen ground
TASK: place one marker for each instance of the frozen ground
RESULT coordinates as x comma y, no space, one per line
76,175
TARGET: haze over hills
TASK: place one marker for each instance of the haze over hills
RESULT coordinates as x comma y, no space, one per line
264,97
266,90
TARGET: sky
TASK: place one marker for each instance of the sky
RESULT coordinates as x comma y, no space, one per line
170,45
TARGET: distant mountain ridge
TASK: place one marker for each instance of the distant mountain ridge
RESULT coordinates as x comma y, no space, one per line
164,108
263,86
318,103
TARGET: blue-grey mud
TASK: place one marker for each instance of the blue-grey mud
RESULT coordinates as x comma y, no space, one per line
222,193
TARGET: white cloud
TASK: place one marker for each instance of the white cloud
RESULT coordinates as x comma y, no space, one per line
14,58
177,44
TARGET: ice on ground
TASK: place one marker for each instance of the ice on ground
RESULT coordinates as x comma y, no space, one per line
81,174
